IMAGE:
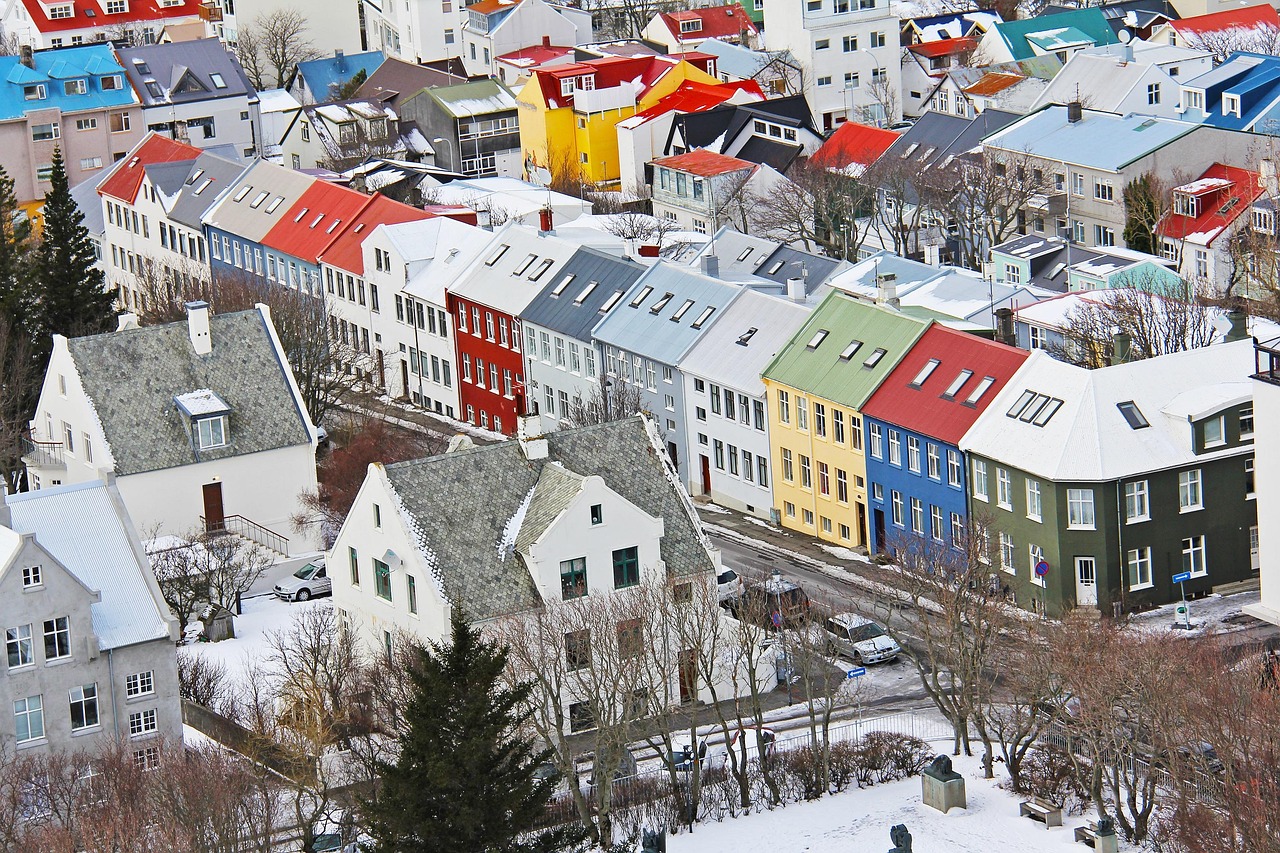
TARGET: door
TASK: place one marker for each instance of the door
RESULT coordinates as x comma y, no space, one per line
688,676
213,515
1254,563
706,475
862,523
404,376
382,371
878,515
675,458
1086,582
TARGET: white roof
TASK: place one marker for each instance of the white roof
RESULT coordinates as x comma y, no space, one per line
1053,313
515,197
86,529
276,101
718,357
505,283
438,250
202,402
1088,439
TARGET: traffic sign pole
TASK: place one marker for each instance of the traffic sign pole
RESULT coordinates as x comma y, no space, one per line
1184,613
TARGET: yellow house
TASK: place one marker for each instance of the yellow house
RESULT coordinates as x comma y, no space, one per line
569,113
817,385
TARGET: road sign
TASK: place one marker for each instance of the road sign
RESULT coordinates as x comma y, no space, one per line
776,619
1042,569
857,671
1182,577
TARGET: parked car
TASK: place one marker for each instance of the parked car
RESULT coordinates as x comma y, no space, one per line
773,603
860,639
307,582
730,584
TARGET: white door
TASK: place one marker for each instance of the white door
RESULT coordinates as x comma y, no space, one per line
1254,563
1086,582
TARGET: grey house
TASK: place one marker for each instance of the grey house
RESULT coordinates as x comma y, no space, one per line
649,332
89,640
560,354
476,122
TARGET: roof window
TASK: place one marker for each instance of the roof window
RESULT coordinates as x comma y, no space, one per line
928,368
747,336
851,350
562,284
681,311
497,255
244,191
259,199
586,291
976,394
874,358
301,213
661,303
641,296
541,270
704,317
275,202
525,264
1133,415
611,301
817,339
957,383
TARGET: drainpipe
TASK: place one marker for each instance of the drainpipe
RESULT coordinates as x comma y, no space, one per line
111,674
1120,542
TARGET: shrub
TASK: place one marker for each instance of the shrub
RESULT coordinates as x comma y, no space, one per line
888,757
1047,773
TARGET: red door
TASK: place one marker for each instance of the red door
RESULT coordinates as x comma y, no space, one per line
706,475
214,519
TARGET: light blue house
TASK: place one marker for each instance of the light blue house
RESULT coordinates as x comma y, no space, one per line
1243,93
320,80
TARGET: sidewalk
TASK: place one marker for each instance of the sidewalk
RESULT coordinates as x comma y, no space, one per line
416,418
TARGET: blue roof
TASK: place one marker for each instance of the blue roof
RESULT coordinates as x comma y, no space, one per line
318,74
1071,26
1099,140
53,69
1253,77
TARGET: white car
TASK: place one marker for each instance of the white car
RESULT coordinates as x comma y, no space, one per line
860,639
307,582
730,584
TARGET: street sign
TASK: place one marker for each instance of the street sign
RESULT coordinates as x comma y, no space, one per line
1042,569
1182,577
857,671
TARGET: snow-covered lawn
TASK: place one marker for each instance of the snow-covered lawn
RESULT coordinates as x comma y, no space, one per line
1211,613
262,615
858,821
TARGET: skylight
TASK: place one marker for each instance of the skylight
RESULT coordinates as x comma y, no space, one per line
301,213
316,221
662,303
874,358
562,284
275,202
774,269
586,291
957,383
259,199
851,350
1034,408
541,270
704,317
204,185
1133,415
332,225
497,255
746,336
928,368
976,394
1020,404
817,339
218,82
641,296
195,176
745,254
611,301
244,191
681,311
1048,411
525,264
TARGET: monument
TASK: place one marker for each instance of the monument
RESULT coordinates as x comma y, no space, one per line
941,787
1106,840
901,839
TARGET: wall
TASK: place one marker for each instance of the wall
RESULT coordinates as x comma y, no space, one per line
940,493
229,128
1266,407
706,427
542,373
469,345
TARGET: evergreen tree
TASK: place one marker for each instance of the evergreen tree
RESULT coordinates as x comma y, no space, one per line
67,284
464,781
15,232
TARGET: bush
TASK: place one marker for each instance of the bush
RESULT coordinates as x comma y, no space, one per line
202,681
800,773
844,765
888,757
1047,773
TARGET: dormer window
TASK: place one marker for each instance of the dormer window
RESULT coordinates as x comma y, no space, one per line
378,128
75,87
1215,434
692,26
34,92
1192,100
212,432
116,7
59,12
110,83
1231,105
347,133
567,86
587,82
1263,220
208,413
1185,204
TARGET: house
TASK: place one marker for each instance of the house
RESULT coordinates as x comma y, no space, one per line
339,135
395,81
569,114
852,55
775,132
217,438
1266,404
70,23
562,364
728,432
1196,232
73,572
947,25
817,386
275,110
775,71
1138,17
655,325
79,89
415,31
1051,264
196,92
1102,485
514,68
853,148
1240,94
686,29
924,65
922,410
240,219
491,28
1137,77
318,81
486,301
474,125
697,191
514,527
498,200
1243,28
1060,35
298,239
1010,87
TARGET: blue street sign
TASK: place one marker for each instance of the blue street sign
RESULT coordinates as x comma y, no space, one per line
857,671
1182,577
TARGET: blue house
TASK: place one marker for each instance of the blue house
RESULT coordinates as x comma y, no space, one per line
318,81
238,224
1243,93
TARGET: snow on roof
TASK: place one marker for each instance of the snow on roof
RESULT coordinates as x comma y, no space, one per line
202,402
276,101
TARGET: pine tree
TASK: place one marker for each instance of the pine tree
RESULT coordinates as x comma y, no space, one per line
15,232
464,781
66,281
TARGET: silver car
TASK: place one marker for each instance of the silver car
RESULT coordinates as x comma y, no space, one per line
307,582
860,639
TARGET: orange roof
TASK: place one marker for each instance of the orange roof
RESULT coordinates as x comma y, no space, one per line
704,163
944,47
854,145
346,252
1219,193
694,97
488,7
994,83
1247,18
123,183
313,221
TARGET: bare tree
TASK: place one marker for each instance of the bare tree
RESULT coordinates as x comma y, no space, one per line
639,227
206,566
818,208
899,211
885,106
610,399
1260,38
272,46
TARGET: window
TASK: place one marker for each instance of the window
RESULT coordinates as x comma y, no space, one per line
57,638
28,719
1136,505
142,722
850,44
917,516
1189,497
212,432
147,759
873,431
18,645
1103,190
86,124
1033,500
757,413
822,44
119,122
1104,236
1004,489
84,706
1193,556
935,523
762,472
45,132
1153,93
581,717
934,461
1139,560
1215,431
824,478
802,413
34,92
573,578
1035,556
956,384
953,468
842,483
139,684
924,373
895,500
577,649
788,471
957,531
31,577
895,448
1007,554
381,579
784,407
1080,509
1250,483
1246,421
355,566
626,567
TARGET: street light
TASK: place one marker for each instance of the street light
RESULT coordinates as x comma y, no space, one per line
455,160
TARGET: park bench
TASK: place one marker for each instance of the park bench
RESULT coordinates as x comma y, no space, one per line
1040,810
1087,834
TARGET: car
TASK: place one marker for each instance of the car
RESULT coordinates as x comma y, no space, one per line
306,583
775,603
730,584
860,639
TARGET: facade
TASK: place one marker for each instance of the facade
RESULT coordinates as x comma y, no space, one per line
694,191
852,54
774,71
775,132
491,28
473,127
240,219
1266,404
729,431
73,571
76,22
1127,78
1114,480
687,29
217,438
1052,265
817,386
918,415
1240,94
338,136
926,64
417,31
75,99
1197,231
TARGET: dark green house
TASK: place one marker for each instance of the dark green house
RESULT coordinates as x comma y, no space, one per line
1097,487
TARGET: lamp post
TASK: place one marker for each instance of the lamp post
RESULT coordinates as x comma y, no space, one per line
454,159
605,385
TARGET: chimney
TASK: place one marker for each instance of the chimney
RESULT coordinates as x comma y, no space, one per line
1005,333
127,320
28,56
6,515
710,265
546,223
340,60
198,327
887,285
649,251
546,41
1075,112
1121,344
1126,53
529,433
1238,330
795,289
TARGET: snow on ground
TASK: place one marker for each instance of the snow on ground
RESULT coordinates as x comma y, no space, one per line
858,821
842,553
196,738
1214,613
715,508
758,522
262,615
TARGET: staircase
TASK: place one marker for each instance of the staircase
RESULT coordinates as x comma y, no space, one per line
245,528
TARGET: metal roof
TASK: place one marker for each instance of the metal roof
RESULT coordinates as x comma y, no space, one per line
190,63
1098,140
252,223
512,272
557,307
744,340
196,196
52,69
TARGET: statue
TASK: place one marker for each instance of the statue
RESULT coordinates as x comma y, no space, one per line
1106,826
901,839
941,766
653,841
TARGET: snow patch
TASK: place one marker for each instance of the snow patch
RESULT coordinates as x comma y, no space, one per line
507,544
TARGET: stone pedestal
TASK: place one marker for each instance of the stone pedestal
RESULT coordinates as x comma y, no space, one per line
1106,843
941,787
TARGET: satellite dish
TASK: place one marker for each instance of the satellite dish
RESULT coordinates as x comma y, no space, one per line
1125,36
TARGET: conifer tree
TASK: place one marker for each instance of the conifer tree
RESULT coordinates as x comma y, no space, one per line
15,231
464,781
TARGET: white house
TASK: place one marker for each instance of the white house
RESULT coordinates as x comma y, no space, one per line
1266,458
200,421
687,29
1137,77
492,28
415,30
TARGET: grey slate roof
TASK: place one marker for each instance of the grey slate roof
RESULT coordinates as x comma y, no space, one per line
817,269
557,487
169,63
132,376
462,502
562,313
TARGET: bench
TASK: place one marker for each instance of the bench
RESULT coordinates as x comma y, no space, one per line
1088,834
1038,809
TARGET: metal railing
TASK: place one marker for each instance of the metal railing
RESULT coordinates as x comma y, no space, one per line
42,454
248,529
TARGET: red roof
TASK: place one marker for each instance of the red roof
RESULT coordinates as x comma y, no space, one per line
346,251
313,221
944,47
1232,19
924,409
528,57
608,71
717,22
488,7
704,163
1223,194
452,211
139,10
854,144
694,97
127,176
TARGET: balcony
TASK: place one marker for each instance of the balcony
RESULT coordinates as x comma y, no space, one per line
1266,361
42,454
211,12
